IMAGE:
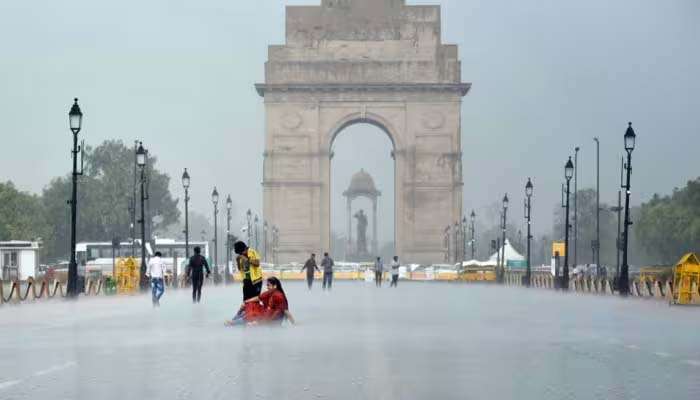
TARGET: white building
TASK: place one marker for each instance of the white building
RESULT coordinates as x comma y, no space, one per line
19,259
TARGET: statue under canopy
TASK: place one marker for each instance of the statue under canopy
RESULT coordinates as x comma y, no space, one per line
361,185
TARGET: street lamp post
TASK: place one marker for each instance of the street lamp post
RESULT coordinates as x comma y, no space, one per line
630,138
229,206
249,217
464,237
457,244
597,207
257,242
215,202
447,244
265,241
473,217
576,150
528,216
141,162
504,227
186,186
568,174
75,121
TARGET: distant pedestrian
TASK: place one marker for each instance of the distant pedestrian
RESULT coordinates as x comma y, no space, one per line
195,271
156,272
327,264
251,274
395,272
310,267
378,271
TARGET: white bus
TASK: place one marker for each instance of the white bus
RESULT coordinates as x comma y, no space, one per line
98,257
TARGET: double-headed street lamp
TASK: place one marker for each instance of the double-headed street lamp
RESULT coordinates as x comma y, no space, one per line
528,216
215,202
141,163
186,186
630,139
229,206
568,174
75,121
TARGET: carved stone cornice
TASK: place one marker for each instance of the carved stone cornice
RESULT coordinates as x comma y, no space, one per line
461,88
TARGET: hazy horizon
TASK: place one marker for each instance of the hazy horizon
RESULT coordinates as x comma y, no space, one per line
179,75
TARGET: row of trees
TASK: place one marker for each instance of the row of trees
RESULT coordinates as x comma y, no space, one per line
663,229
104,199
670,226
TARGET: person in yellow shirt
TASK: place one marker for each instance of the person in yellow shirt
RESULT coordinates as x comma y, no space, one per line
249,269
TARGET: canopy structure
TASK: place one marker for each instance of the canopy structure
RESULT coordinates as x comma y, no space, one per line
511,255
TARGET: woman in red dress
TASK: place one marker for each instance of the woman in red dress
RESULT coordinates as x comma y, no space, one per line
275,303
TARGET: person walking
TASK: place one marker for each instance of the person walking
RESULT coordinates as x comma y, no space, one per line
378,271
251,274
310,267
395,272
156,273
195,271
327,264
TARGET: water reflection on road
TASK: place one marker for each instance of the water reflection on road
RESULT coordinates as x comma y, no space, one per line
420,341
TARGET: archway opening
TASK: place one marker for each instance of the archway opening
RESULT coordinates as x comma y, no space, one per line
360,150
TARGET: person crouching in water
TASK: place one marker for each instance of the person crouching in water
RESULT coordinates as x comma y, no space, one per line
270,307
274,301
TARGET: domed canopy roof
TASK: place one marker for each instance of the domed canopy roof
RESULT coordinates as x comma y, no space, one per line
362,184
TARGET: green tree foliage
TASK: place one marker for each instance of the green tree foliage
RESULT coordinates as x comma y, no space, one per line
22,216
587,229
104,197
670,226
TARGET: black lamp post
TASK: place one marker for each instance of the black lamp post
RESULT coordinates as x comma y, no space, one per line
624,286
141,163
503,227
464,237
473,218
457,242
215,202
229,206
528,216
265,241
257,242
75,121
186,186
249,218
568,174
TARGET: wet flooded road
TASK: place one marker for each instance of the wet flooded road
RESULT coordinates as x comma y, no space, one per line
420,341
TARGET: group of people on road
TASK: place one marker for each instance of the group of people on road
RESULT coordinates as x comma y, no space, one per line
379,272
155,272
327,264
269,307
310,266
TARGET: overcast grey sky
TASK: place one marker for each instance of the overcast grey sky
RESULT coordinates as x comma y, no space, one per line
547,76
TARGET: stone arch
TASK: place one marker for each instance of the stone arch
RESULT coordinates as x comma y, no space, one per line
379,62
371,119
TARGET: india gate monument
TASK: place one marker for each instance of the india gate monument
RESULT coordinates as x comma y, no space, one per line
378,62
